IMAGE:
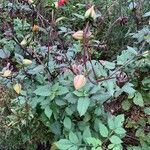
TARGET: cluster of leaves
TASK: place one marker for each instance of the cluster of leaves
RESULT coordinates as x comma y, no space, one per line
40,59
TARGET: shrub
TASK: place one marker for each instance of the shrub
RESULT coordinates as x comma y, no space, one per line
76,82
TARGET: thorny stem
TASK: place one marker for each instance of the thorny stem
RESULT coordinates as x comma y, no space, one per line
86,51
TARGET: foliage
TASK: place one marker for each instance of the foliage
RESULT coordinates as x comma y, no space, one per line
77,82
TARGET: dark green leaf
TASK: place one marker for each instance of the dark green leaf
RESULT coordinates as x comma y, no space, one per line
43,90
111,124
64,144
93,141
73,138
126,105
62,90
147,110
83,104
67,123
120,131
48,111
103,130
86,133
138,99
115,140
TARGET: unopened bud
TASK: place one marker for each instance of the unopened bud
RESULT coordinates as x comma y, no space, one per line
90,13
27,62
35,28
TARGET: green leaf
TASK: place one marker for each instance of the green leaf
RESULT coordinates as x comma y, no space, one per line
120,131
4,53
43,90
83,104
111,86
73,138
111,124
98,148
79,16
73,148
118,147
56,128
128,88
118,120
126,105
147,14
86,133
93,141
79,93
109,65
103,130
115,140
62,90
63,144
138,99
110,146
147,110
67,123
59,102
132,50
48,111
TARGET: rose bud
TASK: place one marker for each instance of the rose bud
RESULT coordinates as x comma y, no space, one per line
35,28
26,62
17,88
90,13
79,81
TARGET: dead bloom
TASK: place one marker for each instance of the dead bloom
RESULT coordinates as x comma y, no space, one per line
79,81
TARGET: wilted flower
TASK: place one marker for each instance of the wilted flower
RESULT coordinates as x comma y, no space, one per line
77,69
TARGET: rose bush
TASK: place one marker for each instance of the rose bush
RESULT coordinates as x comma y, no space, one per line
76,75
